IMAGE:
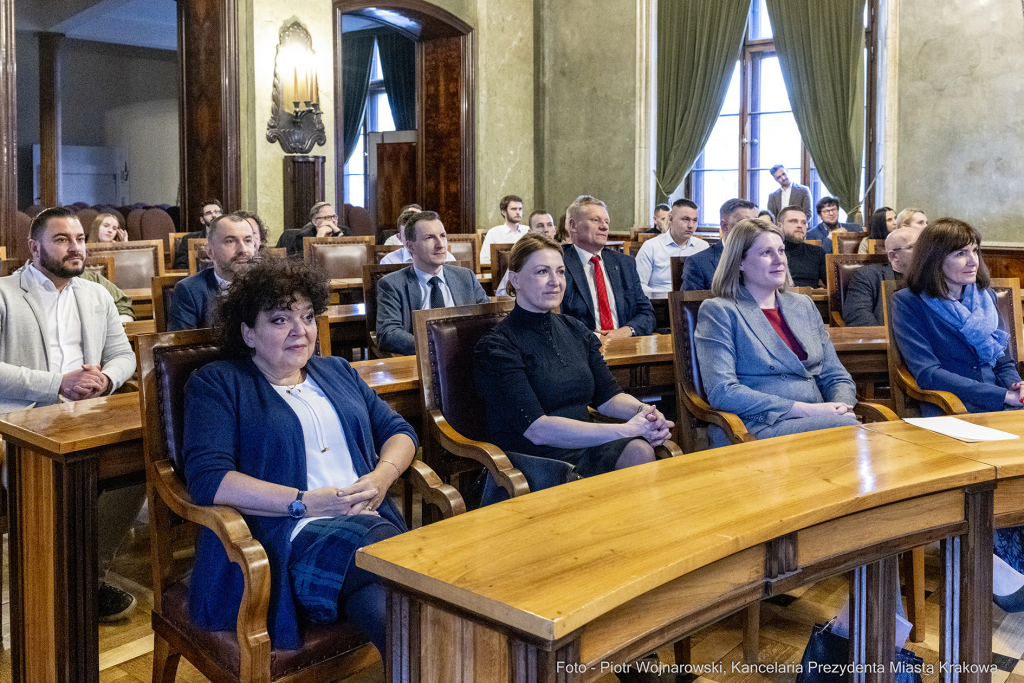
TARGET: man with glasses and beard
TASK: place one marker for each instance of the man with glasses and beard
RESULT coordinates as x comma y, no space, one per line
61,340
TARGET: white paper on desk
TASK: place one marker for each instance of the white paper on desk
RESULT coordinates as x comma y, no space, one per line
959,429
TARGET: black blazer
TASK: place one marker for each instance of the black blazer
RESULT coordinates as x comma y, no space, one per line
699,269
631,304
291,240
862,305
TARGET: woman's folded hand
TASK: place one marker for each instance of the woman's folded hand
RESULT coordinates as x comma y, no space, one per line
801,409
330,501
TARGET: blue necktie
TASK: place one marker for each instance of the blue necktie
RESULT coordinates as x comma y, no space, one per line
436,295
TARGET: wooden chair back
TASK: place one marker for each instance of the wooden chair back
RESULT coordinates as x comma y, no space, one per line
197,257
847,242
21,237
615,246
499,263
102,265
465,248
876,246
338,257
173,240
136,263
9,265
274,252
163,295
816,243
3,253
382,250
840,269
631,247
372,273
676,264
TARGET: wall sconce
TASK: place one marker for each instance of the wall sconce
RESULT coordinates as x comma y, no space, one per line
295,113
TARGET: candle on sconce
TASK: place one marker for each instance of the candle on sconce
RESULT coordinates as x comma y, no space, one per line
295,89
316,88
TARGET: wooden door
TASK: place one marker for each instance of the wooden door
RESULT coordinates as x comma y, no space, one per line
396,181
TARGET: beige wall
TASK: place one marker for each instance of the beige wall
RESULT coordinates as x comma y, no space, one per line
958,131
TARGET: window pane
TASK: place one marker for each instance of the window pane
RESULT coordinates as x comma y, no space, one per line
385,121
723,148
765,184
772,93
355,162
715,188
376,72
778,140
731,104
760,26
356,187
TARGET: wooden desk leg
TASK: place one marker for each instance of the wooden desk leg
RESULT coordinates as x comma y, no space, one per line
53,555
873,595
430,645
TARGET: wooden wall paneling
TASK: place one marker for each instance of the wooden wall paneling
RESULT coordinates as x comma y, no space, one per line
1004,261
49,117
8,131
442,131
303,187
210,118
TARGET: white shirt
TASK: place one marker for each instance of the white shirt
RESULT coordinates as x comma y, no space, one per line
500,234
403,256
503,286
392,241
63,323
426,288
224,284
785,197
321,427
654,260
588,268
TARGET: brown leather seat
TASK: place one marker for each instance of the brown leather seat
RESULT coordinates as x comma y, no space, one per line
338,257
163,294
358,220
329,652
86,217
499,263
155,224
466,248
847,242
676,264
133,224
137,263
840,269
372,273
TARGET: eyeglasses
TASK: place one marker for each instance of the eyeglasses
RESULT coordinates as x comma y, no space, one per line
213,212
910,248
331,218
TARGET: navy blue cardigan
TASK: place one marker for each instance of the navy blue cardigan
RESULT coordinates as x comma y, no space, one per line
940,357
236,421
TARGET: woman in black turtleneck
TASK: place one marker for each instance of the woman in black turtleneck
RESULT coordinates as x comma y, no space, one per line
538,371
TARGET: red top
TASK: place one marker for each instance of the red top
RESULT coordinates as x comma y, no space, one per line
779,323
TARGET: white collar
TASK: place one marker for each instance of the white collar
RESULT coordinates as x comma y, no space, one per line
424,278
42,281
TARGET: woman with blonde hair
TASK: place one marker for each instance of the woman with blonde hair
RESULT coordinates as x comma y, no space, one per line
763,351
912,218
106,228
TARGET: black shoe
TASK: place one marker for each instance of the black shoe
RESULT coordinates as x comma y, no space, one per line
114,603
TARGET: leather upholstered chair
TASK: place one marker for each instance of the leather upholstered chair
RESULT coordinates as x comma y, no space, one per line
465,248
329,652
103,265
136,262
338,257
163,293
133,223
840,269
847,242
156,224
382,250
499,264
676,264
372,273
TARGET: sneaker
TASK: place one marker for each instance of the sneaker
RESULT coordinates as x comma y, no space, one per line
114,603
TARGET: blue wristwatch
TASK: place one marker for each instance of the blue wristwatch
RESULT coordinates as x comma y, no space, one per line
297,509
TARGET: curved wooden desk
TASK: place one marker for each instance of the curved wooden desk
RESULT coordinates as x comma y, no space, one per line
549,586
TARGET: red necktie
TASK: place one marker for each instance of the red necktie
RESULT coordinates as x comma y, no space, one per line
602,295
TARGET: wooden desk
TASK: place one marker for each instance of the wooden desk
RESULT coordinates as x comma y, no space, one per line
551,585
142,302
137,327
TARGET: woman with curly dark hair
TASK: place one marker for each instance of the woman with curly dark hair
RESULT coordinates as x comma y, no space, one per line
291,440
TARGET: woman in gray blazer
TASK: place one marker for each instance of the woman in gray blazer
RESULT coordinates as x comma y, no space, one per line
764,353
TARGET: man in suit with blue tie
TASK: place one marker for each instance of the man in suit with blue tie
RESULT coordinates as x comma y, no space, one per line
427,283
230,246
699,269
602,288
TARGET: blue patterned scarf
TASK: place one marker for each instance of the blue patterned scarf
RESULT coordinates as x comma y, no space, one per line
976,318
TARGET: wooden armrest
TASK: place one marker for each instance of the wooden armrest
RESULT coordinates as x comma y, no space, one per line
241,548
669,449
874,412
433,490
488,455
950,404
602,419
730,423
837,319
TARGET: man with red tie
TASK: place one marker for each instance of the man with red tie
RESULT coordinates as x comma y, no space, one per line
602,288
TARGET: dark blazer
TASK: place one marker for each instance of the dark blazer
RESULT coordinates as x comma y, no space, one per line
820,233
699,269
398,295
292,239
226,404
798,196
806,264
939,356
747,368
193,302
862,306
631,304
181,253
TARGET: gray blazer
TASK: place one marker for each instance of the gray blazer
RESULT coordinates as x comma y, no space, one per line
25,379
799,195
747,368
398,295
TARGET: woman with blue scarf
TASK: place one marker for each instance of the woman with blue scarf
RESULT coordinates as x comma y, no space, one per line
949,333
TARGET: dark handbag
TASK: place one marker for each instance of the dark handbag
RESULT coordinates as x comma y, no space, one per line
540,473
826,649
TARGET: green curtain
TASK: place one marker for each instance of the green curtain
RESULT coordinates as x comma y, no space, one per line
821,52
356,60
398,62
699,42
